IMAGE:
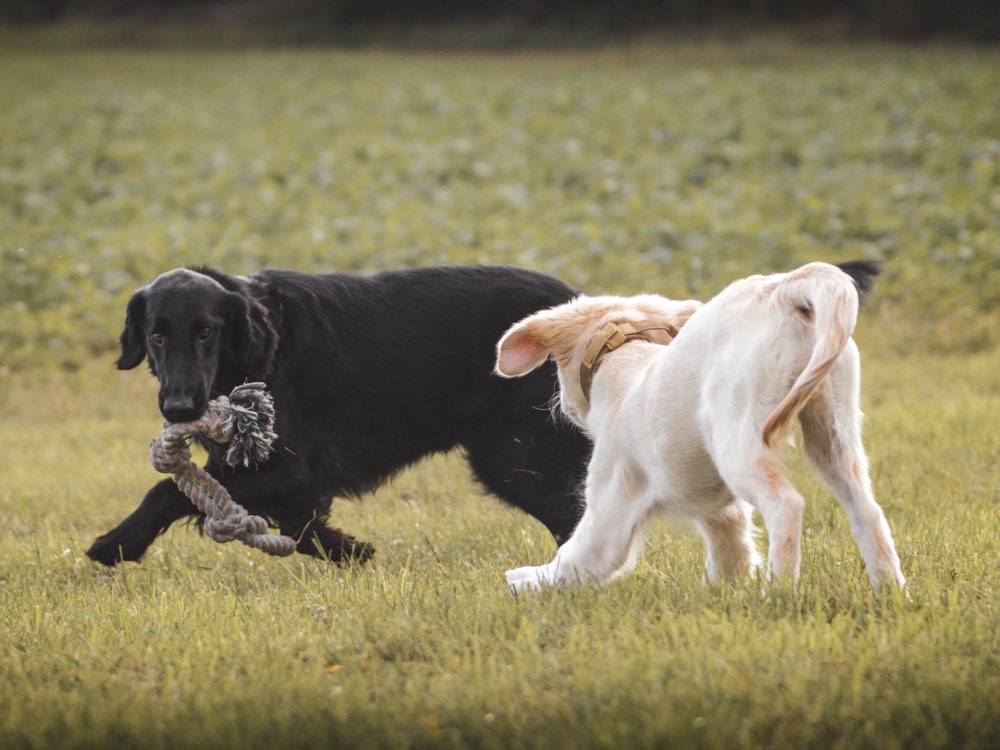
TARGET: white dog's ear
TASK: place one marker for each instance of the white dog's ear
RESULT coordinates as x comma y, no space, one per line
520,350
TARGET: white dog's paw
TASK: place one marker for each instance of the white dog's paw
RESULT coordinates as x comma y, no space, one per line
529,578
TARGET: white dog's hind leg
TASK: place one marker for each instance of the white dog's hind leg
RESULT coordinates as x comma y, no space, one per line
831,432
757,477
752,472
729,538
782,508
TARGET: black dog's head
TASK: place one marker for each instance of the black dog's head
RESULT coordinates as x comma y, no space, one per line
203,334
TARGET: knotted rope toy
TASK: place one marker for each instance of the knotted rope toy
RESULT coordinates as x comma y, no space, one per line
244,420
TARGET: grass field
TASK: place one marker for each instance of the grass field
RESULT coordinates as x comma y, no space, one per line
672,170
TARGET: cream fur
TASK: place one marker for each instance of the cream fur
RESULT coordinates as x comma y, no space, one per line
695,427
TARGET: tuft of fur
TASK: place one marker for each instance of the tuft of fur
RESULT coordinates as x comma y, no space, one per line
862,273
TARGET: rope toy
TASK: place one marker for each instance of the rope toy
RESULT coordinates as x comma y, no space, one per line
244,420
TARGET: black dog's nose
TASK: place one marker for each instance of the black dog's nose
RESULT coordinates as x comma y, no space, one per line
179,409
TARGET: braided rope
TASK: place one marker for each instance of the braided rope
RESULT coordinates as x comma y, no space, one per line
244,419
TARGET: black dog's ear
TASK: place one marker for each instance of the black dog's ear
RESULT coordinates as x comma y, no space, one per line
254,338
133,338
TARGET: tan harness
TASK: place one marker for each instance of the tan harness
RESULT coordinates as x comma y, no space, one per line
612,336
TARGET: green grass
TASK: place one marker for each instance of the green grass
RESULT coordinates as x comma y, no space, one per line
658,170
219,645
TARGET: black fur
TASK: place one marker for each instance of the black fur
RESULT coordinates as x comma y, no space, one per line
368,374
862,273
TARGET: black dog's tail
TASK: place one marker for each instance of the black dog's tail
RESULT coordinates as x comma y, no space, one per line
862,273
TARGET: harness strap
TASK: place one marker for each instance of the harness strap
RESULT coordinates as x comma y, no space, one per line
612,336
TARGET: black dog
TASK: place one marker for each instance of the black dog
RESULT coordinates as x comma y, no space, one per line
368,375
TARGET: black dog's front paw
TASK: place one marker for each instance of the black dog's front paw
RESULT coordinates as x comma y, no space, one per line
334,545
109,550
359,551
346,549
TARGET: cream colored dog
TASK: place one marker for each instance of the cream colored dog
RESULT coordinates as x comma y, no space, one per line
696,427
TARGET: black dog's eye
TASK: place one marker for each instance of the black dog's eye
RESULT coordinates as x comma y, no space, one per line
204,333
156,338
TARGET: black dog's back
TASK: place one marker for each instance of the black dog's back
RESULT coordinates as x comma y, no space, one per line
369,374
408,371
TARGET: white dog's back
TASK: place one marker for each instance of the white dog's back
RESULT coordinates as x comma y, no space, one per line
773,340
754,353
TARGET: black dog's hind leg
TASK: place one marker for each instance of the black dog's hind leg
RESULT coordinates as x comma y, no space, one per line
315,538
538,467
163,505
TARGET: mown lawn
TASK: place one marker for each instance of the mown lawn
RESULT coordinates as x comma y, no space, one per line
670,170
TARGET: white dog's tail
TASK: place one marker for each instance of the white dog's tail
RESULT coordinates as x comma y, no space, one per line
826,297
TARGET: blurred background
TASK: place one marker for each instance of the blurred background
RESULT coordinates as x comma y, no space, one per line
513,21
624,146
